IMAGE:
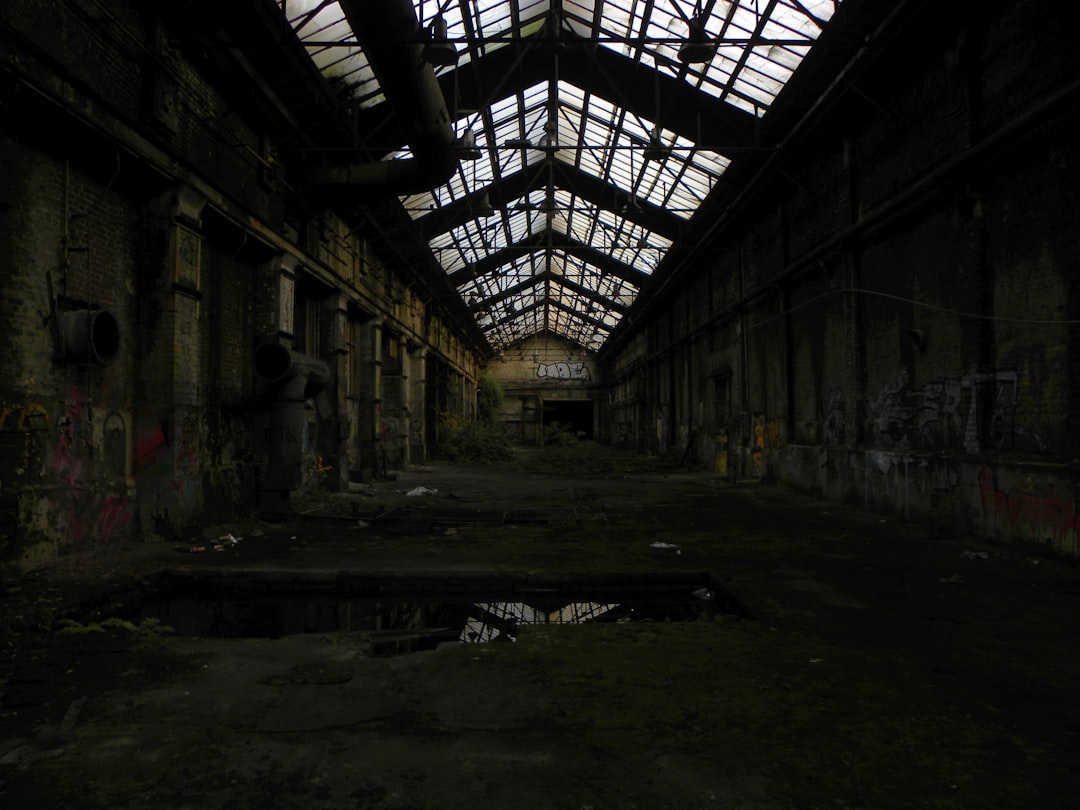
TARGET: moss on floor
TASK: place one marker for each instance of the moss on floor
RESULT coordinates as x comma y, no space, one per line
879,668
825,726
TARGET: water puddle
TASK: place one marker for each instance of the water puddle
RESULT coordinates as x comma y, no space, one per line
406,614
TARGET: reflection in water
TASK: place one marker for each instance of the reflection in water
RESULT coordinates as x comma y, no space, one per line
496,621
250,604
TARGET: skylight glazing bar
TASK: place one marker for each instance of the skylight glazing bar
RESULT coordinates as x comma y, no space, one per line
763,43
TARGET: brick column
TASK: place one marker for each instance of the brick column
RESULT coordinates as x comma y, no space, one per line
170,419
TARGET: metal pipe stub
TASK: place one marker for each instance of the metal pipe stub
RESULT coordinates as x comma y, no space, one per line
89,335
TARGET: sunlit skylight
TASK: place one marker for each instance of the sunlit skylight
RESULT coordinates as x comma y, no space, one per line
587,195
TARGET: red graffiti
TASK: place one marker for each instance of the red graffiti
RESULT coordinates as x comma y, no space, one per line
148,450
1025,509
64,461
115,514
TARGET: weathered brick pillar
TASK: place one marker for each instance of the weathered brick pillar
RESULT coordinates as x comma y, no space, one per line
415,360
393,400
378,452
169,422
337,439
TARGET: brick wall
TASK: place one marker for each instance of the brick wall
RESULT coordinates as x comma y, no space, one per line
136,177
909,291
66,424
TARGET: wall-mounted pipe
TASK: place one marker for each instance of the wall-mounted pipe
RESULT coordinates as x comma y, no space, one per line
89,335
393,41
279,366
290,379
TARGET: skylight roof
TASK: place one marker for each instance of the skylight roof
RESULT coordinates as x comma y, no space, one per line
588,195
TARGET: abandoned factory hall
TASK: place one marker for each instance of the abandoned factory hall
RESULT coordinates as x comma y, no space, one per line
539,405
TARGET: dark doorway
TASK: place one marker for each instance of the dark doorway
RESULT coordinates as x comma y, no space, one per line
435,399
577,415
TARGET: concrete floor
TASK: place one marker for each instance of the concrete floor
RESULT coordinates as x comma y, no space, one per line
876,666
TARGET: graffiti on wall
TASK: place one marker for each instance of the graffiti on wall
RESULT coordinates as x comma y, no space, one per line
24,418
758,445
166,458
24,432
914,472
974,412
834,418
392,436
765,433
116,512
563,371
150,445
1001,388
92,505
73,435
721,463
1023,510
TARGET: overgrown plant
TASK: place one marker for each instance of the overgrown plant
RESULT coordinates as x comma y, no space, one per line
561,434
565,450
489,399
477,441
482,439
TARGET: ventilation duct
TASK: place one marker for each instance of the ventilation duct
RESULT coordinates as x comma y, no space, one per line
393,42
89,336
290,379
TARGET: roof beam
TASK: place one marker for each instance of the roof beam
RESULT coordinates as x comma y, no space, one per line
685,110
493,262
513,187
559,280
543,301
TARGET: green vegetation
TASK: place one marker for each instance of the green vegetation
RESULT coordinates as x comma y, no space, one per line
483,439
489,399
565,451
476,441
147,631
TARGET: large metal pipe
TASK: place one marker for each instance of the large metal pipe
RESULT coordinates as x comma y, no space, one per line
89,335
291,379
294,375
393,42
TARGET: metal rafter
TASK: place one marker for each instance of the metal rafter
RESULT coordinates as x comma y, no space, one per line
595,216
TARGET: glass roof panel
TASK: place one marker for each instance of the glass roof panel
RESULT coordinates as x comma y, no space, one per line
328,38
533,278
